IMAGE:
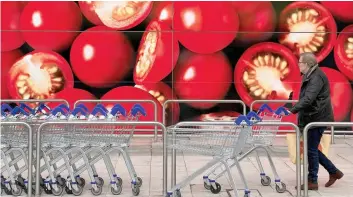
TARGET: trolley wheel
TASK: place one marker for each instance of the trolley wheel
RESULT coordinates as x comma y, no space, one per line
98,191
246,195
139,181
266,181
57,192
7,191
217,189
177,193
135,190
68,190
18,192
118,189
78,191
81,181
99,181
61,181
21,181
208,187
282,188
119,181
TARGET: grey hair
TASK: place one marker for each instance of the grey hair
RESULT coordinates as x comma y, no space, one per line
309,58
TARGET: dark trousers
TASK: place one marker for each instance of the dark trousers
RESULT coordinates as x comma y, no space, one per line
315,156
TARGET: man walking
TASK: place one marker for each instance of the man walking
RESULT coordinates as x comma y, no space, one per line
315,106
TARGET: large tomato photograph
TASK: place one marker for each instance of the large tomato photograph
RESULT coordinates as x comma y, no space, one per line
188,51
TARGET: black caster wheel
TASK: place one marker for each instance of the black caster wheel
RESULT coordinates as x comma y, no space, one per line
99,181
81,181
135,190
78,191
139,182
217,189
98,191
7,191
118,189
266,181
68,190
61,181
21,181
206,186
59,191
119,181
282,188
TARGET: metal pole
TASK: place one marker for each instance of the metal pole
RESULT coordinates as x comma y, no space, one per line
201,101
305,142
126,101
297,150
270,101
118,123
36,101
30,153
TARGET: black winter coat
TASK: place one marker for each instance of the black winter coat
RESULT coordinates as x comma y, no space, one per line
314,101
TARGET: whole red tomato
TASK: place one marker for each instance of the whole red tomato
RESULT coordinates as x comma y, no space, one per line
205,27
162,92
133,93
342,10
39,75
266,71
202,76
11,37
162,11
121,15
157,54
299,21
101,57
344,52
341,93
50,25
7,60
257,21
72,95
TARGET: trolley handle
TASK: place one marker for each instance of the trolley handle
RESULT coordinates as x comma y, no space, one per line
57,110
137,108
103,107
19,110
98,110
42,107
282,111
241,119
253,116
78,110
63,107
82,106
5,107
265,107
118,109
26,107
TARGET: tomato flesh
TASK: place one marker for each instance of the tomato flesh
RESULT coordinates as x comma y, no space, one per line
205,27
157,49
120,15
39,75
202,76
343,52
101,59
11,37
266,71
162,92
342,10
341,93
50,25
299,20
257,21
8,58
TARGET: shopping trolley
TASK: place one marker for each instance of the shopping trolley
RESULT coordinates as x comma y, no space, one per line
14,150
219,144
91,143
261,138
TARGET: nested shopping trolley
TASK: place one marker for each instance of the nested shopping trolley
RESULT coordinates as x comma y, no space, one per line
82,145
261,138
219,144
